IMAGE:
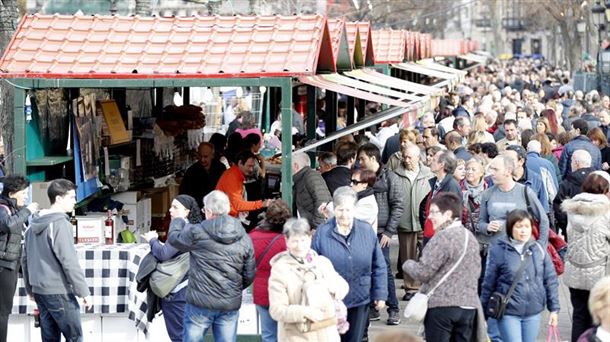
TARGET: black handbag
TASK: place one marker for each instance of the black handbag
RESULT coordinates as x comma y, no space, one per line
498,301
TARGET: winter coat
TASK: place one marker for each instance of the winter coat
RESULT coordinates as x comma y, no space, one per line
537,164
589,235
50,263
339,176
222,261
581,142
12,225
448,184
590,335
261,239
570,187
538,286
441,253
285,286
310,191
389,195
472,206
415,193
358,260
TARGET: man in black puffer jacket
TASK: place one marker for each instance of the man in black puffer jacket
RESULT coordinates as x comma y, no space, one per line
571,186
222,266
389,194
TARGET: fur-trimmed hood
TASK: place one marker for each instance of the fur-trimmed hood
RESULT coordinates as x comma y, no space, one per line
584,207
587,204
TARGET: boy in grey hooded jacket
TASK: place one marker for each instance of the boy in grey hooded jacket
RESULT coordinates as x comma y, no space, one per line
51,270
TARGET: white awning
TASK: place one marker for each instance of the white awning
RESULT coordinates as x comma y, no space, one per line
373,76
474,58
431,64
421,69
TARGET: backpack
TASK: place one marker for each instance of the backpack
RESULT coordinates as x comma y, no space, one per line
314,293
168,274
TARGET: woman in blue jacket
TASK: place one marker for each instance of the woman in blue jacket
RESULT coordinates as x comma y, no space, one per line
185,207
353,249
536,288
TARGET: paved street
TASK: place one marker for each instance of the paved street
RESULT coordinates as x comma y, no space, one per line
565,315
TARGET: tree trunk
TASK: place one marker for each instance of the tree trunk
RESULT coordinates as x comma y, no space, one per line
572,46
143,8
496,26
8,23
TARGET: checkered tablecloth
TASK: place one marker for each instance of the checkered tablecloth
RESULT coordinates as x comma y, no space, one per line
110,272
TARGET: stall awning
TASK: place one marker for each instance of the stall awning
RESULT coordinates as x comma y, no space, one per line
474,58
372,76
431,64
420,69
370,86
329,82
370,121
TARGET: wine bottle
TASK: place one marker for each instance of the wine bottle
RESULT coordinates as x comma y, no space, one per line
74,223
109,229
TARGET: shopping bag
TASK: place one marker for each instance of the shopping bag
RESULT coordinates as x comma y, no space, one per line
552,335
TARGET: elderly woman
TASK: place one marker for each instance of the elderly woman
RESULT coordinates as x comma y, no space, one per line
268,241
353,248
589,247
13,217
599,306
303,288
186,208
472,187
450,262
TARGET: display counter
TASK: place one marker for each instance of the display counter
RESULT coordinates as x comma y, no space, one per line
119,310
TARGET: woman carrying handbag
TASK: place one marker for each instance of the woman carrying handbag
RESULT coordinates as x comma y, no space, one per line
520,280
449,271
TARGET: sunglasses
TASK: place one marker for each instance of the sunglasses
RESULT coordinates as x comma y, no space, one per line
355,181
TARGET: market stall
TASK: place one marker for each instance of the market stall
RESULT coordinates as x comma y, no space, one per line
65,68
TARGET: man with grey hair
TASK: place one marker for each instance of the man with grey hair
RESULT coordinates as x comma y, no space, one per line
309,190
534,162
442,165
222,266
497,201
414,177
571,186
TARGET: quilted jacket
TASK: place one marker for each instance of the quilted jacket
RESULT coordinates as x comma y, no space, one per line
310,191
589,237
358,259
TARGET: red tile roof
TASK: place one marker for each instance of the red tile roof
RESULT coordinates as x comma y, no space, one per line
57,46
389,46
335,28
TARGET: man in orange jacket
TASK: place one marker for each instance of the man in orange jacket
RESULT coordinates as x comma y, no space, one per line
232,183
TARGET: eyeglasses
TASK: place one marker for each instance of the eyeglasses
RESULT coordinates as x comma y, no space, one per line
355,181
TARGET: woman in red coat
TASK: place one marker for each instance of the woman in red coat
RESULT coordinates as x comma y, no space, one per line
268,241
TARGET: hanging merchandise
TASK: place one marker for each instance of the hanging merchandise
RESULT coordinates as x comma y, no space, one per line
195,137
140,101
164,145
57,108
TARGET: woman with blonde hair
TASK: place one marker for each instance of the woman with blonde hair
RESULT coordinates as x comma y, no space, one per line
479,124
599,306
546,150
476,137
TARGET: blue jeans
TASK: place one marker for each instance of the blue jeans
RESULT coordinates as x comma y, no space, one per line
268,325
197,322
59,315
519,329
493,331
173,314
392,301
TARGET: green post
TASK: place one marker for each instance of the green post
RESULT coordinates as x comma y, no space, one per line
19,164
286,86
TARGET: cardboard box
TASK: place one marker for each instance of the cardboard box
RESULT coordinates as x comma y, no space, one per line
161,199
91,228
39,194
127,197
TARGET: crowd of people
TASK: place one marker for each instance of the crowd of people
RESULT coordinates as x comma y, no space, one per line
482,195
